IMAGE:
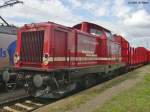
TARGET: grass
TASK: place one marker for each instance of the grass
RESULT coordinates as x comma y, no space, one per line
76,100
137,99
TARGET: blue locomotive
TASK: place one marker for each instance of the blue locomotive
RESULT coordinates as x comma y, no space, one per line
7,50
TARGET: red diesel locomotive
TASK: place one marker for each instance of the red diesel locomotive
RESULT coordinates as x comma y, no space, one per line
53,59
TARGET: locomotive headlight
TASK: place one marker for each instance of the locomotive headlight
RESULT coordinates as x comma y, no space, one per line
16,58
45,59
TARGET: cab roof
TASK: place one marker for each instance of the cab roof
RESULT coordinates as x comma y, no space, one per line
90,24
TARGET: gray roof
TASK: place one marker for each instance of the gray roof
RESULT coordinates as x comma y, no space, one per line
8,30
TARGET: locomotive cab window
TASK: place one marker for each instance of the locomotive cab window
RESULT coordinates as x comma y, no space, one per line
108,34
95,32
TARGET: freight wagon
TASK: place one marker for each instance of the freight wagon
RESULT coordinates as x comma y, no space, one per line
125,50
7,49
53,60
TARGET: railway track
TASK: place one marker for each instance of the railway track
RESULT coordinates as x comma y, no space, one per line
24,104
19,101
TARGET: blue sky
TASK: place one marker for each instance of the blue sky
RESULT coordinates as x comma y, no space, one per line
130,18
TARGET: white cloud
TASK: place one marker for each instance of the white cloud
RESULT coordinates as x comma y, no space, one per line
102,10
139,18
120,9
95,7
75,3
36,10
123,19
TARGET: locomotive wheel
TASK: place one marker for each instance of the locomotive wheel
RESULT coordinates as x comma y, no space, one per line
89,81
10,87
9,80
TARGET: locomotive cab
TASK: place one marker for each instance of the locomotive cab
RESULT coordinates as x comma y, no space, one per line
108,46
91,29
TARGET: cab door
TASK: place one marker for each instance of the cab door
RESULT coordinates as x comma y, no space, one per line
60,49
